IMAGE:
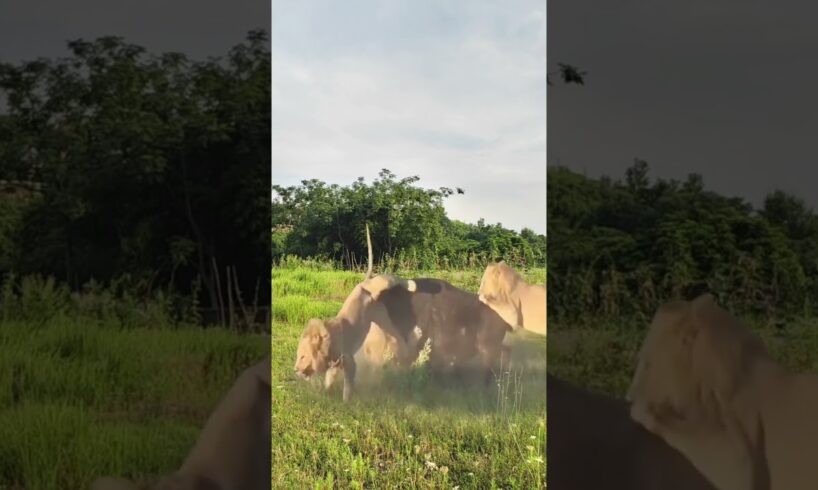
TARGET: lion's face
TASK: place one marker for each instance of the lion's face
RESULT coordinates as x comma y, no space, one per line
664,384
497,282
489,284
312,356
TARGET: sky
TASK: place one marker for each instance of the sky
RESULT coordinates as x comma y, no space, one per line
199,28
453,92
723,88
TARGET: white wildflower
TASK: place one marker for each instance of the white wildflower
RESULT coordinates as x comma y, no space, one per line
431,465
423,356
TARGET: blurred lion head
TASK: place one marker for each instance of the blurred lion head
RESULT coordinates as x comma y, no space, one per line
694,360
497,283
312,356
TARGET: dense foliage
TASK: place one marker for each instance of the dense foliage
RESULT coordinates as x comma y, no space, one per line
619,247
408,224
118,163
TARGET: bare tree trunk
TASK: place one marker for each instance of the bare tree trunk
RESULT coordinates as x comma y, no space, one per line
248,320
218,291
200,241
229,297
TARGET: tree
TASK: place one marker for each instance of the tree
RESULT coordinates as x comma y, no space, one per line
636,242
154,166
319,220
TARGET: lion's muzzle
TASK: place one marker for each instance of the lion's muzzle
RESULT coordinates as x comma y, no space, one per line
305,373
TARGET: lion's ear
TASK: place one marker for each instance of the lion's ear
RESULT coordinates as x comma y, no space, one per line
704,301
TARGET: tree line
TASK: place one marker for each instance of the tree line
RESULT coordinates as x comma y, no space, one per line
408,223
620,247
119,163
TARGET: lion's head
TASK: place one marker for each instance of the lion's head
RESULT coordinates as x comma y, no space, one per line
497,282
312,356
693,361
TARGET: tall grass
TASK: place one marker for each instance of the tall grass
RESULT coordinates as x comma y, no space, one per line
602,355
38,299
400,264
85,393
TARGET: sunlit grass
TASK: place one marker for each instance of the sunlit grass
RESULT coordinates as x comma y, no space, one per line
80,400
402,430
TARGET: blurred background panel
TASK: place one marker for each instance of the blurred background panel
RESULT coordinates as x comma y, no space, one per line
134,230
679,163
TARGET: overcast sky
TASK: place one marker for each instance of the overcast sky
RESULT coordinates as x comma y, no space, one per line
453,92
199,28
724,88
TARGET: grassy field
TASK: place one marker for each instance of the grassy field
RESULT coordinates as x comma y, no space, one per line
603,357
401,431
79,399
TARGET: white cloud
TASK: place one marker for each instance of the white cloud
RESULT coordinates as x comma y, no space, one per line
455,95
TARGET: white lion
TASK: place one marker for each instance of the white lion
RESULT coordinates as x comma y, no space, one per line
706,384
328,347
520,304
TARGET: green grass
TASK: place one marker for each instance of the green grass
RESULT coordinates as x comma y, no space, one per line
400,430
603,356
80,400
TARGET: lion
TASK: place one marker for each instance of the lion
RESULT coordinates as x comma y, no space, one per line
520,304
328,347
457,325
707,385
233,449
